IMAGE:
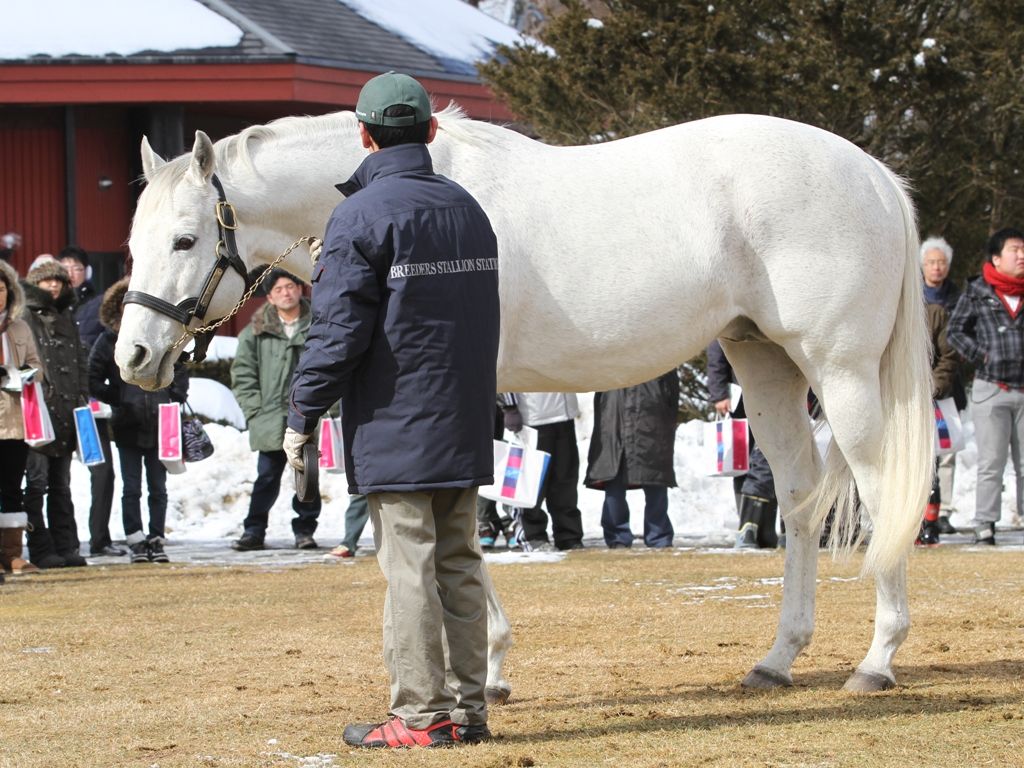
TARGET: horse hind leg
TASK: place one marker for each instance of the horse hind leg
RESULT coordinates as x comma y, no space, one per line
775,399
853,406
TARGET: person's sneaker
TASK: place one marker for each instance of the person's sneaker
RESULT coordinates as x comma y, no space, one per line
73,559
340,551
471,734
107,550
539,545
156,551
247,542
946,527
488,535
139,552
394,734
305,541
746,537
985,534
573,545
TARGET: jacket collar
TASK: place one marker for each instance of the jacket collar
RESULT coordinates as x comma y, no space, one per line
387,162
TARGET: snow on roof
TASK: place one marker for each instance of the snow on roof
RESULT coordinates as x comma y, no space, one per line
102,27
451,30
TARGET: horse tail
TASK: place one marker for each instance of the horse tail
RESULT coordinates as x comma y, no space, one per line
907,456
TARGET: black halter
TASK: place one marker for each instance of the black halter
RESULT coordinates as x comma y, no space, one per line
187,310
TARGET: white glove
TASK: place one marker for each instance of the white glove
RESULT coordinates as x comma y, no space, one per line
293,442
316,245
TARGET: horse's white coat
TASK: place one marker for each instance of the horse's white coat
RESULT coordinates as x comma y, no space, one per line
618,262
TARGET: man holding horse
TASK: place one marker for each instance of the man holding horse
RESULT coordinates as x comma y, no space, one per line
405,333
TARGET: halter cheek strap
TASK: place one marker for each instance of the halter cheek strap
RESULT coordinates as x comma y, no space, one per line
195,308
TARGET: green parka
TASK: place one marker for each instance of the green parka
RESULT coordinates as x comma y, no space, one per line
261,374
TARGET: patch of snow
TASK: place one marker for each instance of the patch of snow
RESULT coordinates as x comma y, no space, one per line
101,27
595,23
216,402
450,30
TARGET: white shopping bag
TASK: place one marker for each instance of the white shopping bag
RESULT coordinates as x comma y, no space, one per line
35,417
949,431
727,447
169,437
519,472
332,453
90,451
99,410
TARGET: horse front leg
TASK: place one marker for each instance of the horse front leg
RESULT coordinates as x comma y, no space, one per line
892,623
796,620
499,641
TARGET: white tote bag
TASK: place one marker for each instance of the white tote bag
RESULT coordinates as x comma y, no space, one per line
332,454
35,416
726,447
519,472
949,431
169,437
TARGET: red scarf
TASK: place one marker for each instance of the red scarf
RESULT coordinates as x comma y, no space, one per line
1004,286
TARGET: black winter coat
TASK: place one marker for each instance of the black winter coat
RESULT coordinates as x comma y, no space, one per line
404,329
636,425
65,359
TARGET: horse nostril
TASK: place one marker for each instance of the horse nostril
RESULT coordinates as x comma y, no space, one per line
139,358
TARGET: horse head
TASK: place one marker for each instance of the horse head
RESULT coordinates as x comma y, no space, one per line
186,270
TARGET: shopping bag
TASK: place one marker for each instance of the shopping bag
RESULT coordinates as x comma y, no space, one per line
34,415
332,455
727,447
90,451
99,410
169,441
519,472
949,431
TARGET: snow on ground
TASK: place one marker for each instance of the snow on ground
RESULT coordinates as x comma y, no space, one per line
209,501
213,400
100,27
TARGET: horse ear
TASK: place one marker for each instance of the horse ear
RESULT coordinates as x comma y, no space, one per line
202,165
150,160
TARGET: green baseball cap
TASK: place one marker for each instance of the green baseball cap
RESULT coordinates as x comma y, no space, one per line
389,90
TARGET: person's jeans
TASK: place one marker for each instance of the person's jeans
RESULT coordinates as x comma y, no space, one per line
101,483
998,430
132,461
658,531
356,515
49,477
269,468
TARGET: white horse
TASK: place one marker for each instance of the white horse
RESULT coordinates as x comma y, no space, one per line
619,261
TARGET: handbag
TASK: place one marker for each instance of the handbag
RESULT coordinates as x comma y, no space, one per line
519,471
196,444
90,451
38,428
726,447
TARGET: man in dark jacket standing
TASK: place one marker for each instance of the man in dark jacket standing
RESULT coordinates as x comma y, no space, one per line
987,330
405,333
632,447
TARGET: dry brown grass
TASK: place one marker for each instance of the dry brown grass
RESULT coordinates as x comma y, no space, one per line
616,663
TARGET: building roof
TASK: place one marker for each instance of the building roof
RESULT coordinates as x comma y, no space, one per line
424,39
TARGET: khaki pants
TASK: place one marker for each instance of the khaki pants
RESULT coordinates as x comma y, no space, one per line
435,611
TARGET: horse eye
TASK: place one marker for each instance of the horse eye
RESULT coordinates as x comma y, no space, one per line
184,243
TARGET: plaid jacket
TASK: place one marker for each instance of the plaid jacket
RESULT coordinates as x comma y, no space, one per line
982,331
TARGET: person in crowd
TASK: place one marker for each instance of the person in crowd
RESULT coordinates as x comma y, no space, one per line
17,352
944,373
405,332
49,298
356,515
553,415
632,447
755,491
76,261
134,425
940,290
987,330
261,374
101,476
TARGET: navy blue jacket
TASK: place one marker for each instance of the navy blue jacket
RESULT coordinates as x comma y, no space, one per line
404,329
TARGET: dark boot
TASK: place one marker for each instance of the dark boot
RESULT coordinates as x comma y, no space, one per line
11,549
767,538
929,535
751,509
41,549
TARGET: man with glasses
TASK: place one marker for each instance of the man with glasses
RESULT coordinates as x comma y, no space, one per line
261,374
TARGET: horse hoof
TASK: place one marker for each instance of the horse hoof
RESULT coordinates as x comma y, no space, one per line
496,696
868,682
762,677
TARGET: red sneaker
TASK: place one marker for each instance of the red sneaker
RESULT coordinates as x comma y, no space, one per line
393,733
